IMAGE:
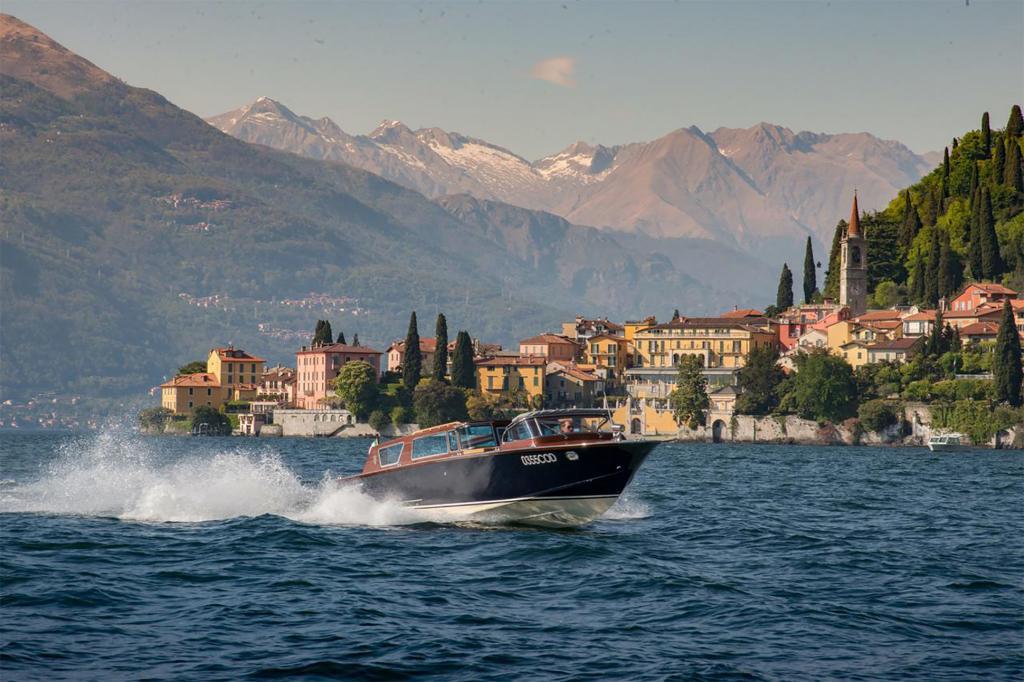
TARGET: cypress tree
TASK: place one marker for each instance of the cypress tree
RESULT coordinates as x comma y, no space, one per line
991,262
986,135
675,314
931,274
919,276
911,223
322,334
1006,365
956,143
933,346
974,248
810,274
440,369
1015,126
1012,174
412,364
341,338
951,271
355,340
834,258
463,370
999,161
974,183
945,163
784,295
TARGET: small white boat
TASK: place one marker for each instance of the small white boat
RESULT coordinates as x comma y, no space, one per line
947,442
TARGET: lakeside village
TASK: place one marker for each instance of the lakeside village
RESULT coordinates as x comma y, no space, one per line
828,371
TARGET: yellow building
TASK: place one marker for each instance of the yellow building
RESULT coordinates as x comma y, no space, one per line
855,352
235,369
185,392
608,355
719,342
508,374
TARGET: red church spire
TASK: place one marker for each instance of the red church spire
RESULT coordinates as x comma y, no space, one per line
854,229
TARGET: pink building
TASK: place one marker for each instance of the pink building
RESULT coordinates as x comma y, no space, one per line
797,321
316,368
977,294
549,346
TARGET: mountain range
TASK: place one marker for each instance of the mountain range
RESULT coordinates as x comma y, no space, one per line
752,189
136,236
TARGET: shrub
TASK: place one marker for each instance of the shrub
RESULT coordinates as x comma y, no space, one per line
878,415
217,423
436,403
379,420
917,390
401,415
154,418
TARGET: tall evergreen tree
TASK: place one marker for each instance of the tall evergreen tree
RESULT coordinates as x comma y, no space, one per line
974,247
440,368
1015,126
945,163
931,275
1012,173
412,363
986,135
322,334
951,271
911,223
834,262
991,262
341,338
934,345
999,161
974,180
355,340
919,277
810,274
956,143
784,296
1006,364
463,370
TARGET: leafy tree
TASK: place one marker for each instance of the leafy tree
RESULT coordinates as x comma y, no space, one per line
886,295
1012,172
463,368
1015,126
440,369
194,367
834,262
217,423
437,403
412,364
935,344
154,418
810,274
910,225
356,386
784,296
483,406
877,415
378,420
759,381
999,160
690,400
822,389
986,135
341,339
401,415
1006,363
322,335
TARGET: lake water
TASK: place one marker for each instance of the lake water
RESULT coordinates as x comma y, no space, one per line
126,557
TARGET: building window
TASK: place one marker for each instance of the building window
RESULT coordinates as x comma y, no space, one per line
190,391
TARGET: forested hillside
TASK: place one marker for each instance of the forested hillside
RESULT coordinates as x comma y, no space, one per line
963,221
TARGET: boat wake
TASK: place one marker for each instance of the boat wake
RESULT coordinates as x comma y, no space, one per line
119,475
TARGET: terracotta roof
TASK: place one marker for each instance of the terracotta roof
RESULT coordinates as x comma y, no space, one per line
339,348
876,315
980,311
923,316
886,325
235,355
547,338
575,372
202,379
743,312
980,329
989,288
517,360
704,322
613,337
585,323
896,344
854,228
428,344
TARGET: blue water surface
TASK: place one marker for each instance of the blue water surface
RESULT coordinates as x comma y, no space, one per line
126,557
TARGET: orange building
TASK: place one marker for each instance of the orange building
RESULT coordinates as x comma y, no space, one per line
550,346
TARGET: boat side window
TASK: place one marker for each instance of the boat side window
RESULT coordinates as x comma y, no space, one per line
477,436
389,455
453,441
519,431
428,446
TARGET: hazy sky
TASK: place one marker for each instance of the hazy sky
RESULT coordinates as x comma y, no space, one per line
534,77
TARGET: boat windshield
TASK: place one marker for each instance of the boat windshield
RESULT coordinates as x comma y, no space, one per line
477,436
561,424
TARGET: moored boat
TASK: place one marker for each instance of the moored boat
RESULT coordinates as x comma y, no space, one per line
947,442
555,468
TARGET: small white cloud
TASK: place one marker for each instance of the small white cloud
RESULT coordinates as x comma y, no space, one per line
557,70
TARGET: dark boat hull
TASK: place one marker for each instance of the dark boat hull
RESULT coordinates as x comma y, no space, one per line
563,485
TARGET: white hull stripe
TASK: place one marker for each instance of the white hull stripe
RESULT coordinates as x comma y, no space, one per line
510,500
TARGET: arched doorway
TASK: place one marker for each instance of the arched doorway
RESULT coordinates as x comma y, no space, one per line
635,427
717,429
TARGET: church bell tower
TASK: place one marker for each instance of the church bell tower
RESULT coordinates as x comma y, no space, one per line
853,275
